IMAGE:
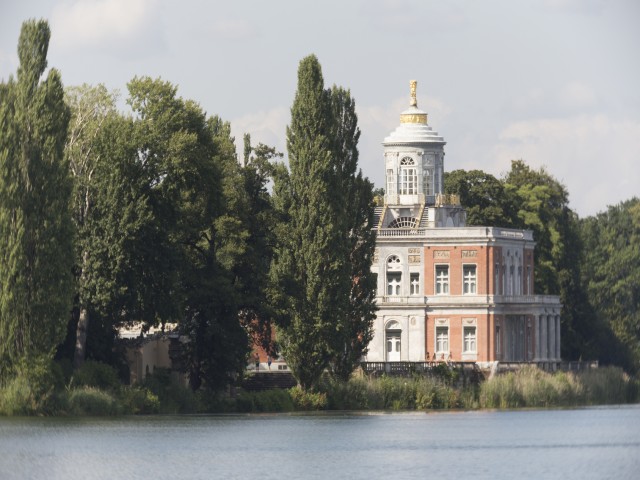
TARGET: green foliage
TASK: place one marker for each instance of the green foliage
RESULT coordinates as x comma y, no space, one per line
90,108
322,287
98,375
173,397
396,393
36,232
486,199
138,400
612,275
531,387
307,400
90,401
32,387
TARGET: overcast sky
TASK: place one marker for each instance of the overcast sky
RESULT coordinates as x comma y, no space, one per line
553,82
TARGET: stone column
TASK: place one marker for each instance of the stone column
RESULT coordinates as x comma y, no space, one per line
543,338
552,337
558,354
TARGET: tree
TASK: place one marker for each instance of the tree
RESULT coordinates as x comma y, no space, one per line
259,219
90,107
356,202
485,198
313,277
612,276
36,232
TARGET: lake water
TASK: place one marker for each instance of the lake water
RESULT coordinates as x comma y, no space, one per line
591,443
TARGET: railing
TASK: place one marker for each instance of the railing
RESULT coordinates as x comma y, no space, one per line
409,368
401,232
467,233
550,366
429,368
548,300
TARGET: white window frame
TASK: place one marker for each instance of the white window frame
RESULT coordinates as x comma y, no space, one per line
394,276
441,282
394,283
391,182
469,339
414,283
469,280
408,177
441,340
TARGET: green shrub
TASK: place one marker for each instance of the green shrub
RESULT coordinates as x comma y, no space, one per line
351,395
138,400
209,401
96,374
92,401
173,397
32,387
304,400
607,385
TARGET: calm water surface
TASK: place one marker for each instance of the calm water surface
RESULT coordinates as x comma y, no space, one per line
593,443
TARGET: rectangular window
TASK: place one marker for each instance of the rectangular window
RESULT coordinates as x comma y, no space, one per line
415,283
391,182
442,340
428,182
498,340
469,279
394,280
442,279
469,334
408,181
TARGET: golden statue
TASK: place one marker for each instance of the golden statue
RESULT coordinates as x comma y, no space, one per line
414,100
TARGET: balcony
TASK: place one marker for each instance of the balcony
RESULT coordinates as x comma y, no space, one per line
470,300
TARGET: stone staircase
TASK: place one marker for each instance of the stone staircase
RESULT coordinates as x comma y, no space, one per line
259,381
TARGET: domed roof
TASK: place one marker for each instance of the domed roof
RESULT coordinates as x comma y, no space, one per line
413,126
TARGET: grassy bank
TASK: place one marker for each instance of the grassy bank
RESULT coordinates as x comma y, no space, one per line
43,389
528,387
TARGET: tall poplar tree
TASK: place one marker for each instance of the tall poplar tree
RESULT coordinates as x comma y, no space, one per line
36,233
313,270
355,203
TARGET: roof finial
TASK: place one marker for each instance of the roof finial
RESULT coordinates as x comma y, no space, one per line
414,100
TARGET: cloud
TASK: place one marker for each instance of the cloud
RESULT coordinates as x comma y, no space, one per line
128,26
8,64
577,95
233,29
268,127
576,6
595,156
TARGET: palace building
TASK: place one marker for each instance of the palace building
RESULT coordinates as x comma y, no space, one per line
446,291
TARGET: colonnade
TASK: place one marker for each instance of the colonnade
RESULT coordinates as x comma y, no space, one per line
548,338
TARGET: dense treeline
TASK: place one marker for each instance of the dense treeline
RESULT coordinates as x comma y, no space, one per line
592,263
109,218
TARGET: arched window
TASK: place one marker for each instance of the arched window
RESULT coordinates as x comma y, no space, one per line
404,222
394,276
408,177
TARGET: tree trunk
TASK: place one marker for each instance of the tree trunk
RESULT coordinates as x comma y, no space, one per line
81,338
83,324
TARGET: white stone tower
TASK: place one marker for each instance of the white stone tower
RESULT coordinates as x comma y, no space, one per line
414,170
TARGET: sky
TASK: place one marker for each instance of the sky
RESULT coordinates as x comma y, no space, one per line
555,83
